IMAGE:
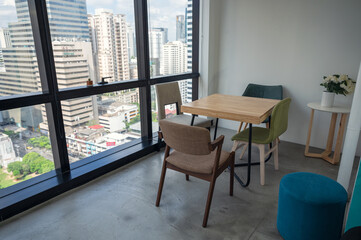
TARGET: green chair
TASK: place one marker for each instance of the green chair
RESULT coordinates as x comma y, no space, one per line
262,91
265,136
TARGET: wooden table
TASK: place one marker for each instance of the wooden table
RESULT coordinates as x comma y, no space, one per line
335,110
237,108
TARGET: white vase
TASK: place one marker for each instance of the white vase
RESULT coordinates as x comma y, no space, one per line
327,99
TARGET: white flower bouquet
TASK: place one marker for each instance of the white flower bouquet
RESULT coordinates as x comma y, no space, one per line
339,84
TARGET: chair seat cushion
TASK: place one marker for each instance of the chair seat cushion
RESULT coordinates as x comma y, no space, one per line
186,120
259,135
196,163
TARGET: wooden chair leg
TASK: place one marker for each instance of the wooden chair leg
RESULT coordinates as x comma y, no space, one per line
231,180
209,201
275,156
240,127
161,182
187,177
245,147
262,163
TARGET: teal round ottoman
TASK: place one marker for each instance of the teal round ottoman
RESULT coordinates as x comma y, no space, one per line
310,207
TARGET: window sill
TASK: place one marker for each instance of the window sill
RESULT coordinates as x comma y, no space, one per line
22,196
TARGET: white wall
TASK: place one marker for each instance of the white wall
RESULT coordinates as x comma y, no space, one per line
289,42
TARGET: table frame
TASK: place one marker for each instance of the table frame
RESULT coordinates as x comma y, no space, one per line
331,133
249,162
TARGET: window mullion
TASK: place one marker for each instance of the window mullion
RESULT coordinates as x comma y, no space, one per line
142,43
195,48
47,72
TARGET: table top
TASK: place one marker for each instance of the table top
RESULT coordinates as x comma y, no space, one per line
333,109
236,108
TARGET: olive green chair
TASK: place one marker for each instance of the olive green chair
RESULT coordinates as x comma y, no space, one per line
265,136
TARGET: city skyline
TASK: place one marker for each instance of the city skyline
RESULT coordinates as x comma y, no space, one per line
162,13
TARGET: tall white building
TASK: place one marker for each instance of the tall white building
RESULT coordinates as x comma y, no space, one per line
157,38
174,61
174,58
108,34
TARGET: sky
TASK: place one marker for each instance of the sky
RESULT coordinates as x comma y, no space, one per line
162,12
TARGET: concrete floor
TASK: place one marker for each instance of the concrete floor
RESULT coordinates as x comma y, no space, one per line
120,205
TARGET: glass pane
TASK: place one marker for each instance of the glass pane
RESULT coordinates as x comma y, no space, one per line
18,63
170,109
25,148
170,37
92,40
97,123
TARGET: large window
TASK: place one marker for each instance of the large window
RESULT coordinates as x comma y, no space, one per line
77,83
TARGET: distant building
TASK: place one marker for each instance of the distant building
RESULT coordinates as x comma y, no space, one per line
132,51
7,153
175,61
180,28
74,66
174,57
157,38
20,72
109,38
5,38
114,115
133,68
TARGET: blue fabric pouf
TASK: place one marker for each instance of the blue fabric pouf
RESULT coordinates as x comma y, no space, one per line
310,207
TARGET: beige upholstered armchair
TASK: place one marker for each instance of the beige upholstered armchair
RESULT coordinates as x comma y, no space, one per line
194,154
168,93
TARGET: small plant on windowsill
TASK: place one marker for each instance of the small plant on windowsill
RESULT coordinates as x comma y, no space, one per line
89,83
336,84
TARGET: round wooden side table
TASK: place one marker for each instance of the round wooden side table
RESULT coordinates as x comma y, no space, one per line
335,110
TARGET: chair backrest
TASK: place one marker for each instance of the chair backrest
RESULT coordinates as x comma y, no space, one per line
279,118
264,91
167,93
186,139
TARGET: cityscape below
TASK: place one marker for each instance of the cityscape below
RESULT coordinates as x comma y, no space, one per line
87,48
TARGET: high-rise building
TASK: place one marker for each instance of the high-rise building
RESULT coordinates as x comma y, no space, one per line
4,38
157,38
4,43
132,51
174,58
180,28
108,34
189,30
67,22
174,61
72,60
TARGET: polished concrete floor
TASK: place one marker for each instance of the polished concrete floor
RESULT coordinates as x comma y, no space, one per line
120,205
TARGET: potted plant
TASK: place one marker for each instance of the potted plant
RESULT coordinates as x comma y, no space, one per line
89,83
336,84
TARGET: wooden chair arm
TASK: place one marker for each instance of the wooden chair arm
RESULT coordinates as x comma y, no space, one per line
218,142
160,135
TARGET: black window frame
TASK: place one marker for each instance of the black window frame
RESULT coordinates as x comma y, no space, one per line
24,195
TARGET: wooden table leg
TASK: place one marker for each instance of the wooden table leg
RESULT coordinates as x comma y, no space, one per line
341,130
309,133
331,134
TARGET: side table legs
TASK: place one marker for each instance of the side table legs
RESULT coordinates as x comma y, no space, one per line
326,154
